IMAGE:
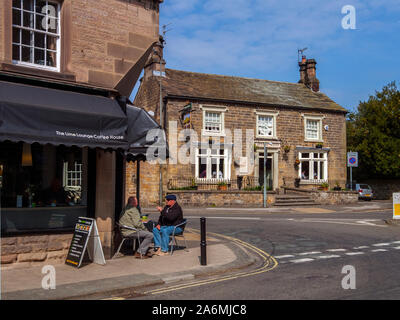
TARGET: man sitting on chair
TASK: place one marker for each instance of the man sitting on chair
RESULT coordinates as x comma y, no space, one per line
170,216
131,218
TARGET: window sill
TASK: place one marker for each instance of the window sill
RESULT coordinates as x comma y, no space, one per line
316,182
266,138
37,72
314,140
212,134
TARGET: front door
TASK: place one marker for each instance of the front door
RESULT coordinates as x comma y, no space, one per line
261,170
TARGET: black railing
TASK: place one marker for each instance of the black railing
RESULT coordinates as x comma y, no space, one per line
241,183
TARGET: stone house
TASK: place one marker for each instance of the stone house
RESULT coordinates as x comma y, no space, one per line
73,49
303,129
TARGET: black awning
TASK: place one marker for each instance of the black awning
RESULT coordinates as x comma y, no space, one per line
139,125
37,114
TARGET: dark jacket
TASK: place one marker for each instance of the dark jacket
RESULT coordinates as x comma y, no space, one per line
171,216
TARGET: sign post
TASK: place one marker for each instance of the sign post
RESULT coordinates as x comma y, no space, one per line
86,237
396,205
352,161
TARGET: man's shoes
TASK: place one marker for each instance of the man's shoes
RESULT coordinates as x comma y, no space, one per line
161,253
143,256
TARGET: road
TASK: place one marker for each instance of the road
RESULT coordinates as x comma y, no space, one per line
311,250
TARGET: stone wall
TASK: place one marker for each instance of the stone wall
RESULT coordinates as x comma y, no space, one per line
326,197
240,199
100,40
26,251
383,189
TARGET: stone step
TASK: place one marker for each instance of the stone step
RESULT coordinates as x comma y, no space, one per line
294,204
294,201
294,197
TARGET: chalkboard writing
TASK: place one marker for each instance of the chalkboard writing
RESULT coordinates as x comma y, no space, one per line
79,242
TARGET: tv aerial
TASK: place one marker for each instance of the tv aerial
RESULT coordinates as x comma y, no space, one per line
300,53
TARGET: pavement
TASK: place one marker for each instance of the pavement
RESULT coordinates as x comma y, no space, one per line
124,274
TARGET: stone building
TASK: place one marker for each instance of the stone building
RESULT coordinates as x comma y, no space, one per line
69,57
304,131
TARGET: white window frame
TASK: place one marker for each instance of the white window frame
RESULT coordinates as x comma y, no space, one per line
214,109
74,175
311,160
273,115
36,31
319,128
227,157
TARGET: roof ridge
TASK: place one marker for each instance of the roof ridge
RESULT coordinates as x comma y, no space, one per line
237,77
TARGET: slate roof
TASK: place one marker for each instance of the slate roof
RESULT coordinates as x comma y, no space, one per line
245,90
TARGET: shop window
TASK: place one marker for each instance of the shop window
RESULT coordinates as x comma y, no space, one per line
43,187
36,33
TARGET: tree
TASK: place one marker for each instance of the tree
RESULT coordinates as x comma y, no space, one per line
374,131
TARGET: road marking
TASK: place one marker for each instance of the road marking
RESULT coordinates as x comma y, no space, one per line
361,247
308,253
336,250
381,244
301,260
354,253
284,256
397,248
395,242
378,250
328,256
269,263
227,218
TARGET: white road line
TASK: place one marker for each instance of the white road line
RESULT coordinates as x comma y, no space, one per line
284,256
381,244
354,253
336,250
395,242
301,260
378,250
328,256
227,218
308,253
361,247
397,248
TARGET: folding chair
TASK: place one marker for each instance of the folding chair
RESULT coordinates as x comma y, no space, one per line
121,226
174,234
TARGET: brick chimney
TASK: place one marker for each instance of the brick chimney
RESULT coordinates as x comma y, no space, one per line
308,73
152,67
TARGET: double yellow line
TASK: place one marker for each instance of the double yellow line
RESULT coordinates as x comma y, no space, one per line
269,263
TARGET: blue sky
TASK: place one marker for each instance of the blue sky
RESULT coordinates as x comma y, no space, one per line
260,39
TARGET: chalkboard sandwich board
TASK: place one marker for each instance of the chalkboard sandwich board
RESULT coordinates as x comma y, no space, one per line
86,237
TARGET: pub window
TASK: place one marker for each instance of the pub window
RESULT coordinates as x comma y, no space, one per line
36,33
213,120
213,163
313,166
44,187
313,128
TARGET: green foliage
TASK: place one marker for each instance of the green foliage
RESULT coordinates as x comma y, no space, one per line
374,131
